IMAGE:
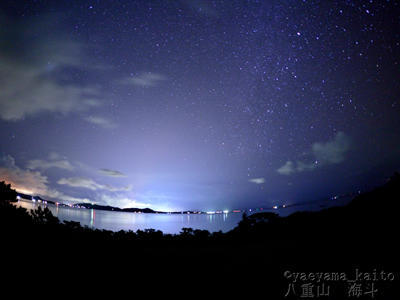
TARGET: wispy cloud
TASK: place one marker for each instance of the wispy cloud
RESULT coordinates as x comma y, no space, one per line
54,161
101,121
287,169
111,173
331,152
87,183
257,180
143,80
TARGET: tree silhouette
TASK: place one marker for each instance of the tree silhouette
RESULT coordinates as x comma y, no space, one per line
7,193
44,216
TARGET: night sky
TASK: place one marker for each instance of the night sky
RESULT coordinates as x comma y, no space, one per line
197,104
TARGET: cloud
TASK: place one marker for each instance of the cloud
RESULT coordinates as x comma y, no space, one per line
111,173
257,180
302,166
80,182
329,153
287,169
332,152
31,182
30,74
102,122
55,161
25,181
25,93
143,80
291,167
87,183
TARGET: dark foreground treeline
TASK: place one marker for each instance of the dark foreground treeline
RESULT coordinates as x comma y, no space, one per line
362,235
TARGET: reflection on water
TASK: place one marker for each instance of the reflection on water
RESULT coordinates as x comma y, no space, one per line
92,217
111,220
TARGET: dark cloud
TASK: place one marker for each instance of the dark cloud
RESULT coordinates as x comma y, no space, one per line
29,63
112,173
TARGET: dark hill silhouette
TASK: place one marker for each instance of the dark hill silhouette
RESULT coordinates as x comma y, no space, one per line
374,212
113,208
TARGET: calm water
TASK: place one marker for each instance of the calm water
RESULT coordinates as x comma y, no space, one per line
112,220
116,221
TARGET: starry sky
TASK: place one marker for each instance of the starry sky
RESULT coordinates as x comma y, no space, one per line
197,104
